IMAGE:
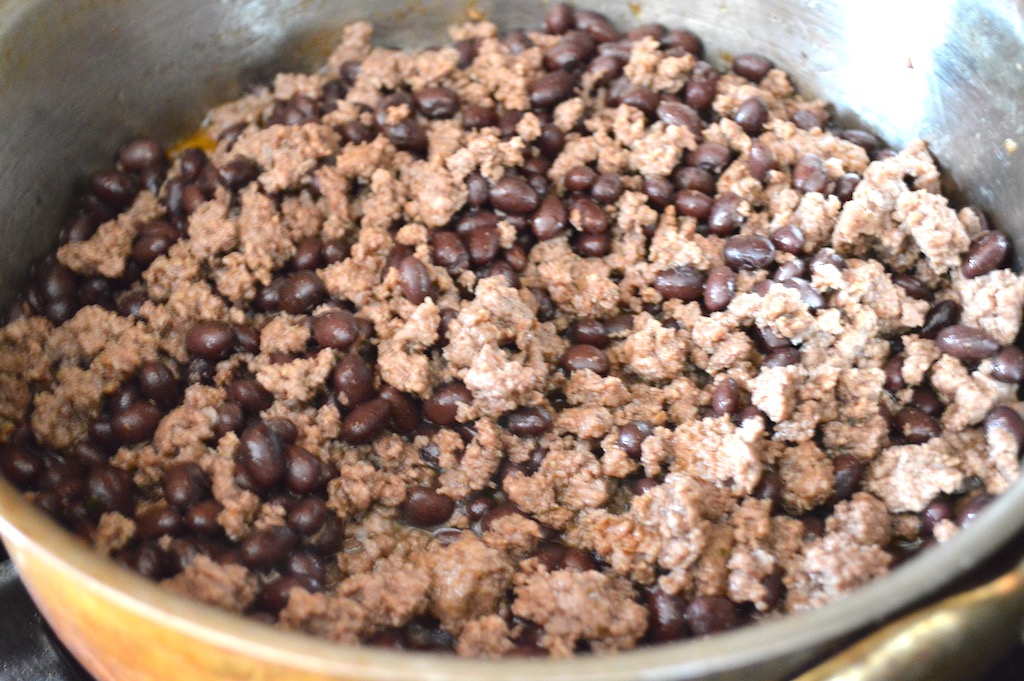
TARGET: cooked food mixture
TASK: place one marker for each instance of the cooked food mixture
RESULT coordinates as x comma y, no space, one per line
534,343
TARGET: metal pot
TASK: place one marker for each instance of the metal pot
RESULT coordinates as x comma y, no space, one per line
78,77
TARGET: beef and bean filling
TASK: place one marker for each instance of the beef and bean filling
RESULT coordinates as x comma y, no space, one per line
534,343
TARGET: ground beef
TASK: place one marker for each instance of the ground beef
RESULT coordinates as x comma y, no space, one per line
464,350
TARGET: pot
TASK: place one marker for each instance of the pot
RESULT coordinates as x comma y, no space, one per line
79,77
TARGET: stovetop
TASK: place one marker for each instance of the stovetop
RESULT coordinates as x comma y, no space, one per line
30,651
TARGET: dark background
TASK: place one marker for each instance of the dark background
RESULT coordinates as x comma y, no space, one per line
30,652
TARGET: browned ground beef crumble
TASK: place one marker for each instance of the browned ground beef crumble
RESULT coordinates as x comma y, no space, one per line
536,343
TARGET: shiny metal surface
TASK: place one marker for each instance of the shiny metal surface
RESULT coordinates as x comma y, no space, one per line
960,638
78,77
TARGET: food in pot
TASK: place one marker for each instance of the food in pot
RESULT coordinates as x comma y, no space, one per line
542,342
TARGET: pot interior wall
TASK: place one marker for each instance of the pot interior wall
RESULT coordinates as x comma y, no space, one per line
79,77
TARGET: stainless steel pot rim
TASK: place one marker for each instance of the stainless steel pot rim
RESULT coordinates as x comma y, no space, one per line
21,522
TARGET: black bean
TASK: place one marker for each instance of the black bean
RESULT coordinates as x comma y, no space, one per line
927,401
893,371
247,339
987,252
752,115
414,279
694,204
597,25
943,314
702,85
845,186
250,395
725,218
514,195
607,189
709,614
551,141
582,357
308,254
792,269
603,69
580,178
632,436
193,160
711,157
725,398
498,512
239,173
142,155
529,421
483,245
268,298
229,419
578,561
201,519
336,329
127,395
680,282
136,423
659,191
914,288
846,475
424,507
753,67
301,292
478,189
550,219
442,406
210,340
264,549
783,357
965,342
437,102
560,18
570,53
184,485
805,119
808,295
592,245
156,522
363,424
114,188
665,616
719,289
589,216
353,380
303,471
749,252
1005,418
307,516
760,160
331,536
20,465
276,593
809,174
937,511
405,413
671,112
916,426
788,239
687,40
475,116
1008,365
450,253
477,505
109,489
589,331
261,456
641,98
974,505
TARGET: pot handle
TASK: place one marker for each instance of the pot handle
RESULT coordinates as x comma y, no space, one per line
958,639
